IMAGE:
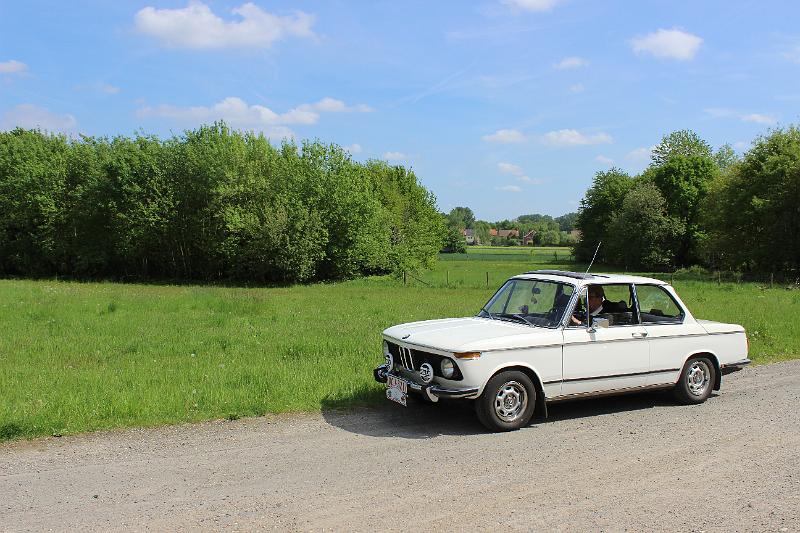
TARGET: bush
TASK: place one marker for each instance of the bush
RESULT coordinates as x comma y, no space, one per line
212,204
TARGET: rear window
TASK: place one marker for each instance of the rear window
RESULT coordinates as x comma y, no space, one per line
657,306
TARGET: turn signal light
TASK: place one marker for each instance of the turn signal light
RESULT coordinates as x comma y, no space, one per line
467,355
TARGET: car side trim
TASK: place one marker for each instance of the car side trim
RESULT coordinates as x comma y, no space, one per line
609,392
612,376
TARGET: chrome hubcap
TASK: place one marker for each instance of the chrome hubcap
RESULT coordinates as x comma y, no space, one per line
697,377
510,401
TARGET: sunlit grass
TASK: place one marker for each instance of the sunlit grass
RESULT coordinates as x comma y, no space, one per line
82,356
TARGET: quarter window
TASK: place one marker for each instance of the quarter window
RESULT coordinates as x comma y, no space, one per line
657,306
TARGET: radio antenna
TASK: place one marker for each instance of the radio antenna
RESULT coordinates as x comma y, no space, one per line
595,255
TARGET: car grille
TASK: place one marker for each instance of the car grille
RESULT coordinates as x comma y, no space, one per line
412,359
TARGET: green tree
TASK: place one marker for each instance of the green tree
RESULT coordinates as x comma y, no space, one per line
753,213
461,217
679,143
640,234
684,182
596,210
725,157
567,222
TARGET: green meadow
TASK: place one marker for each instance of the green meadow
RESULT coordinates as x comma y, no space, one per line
77,357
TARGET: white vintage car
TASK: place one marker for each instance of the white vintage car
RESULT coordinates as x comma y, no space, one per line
533,344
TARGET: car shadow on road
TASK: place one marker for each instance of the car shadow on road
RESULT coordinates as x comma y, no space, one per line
420,420
368,412
606,405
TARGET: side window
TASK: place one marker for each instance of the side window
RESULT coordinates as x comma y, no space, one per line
618,305
614,303
656,306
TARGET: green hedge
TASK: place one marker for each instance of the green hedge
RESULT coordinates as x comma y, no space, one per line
211,204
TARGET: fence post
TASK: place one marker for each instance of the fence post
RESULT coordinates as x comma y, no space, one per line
404,278
487,280
447,280
771,279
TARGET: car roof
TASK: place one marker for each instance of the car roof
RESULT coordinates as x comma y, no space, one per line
580,278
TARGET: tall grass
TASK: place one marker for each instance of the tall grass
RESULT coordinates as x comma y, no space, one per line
83,356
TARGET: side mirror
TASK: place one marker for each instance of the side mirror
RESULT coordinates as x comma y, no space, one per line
596,322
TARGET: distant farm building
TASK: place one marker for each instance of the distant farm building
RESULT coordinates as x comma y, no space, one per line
504,233
470,237
528,238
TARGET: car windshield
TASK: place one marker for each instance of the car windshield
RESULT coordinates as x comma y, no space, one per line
530,301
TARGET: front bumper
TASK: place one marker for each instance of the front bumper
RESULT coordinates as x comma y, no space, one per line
431,391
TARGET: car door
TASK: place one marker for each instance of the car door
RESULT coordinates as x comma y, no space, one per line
671,337
606,358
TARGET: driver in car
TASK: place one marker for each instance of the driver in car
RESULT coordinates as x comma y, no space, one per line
597,303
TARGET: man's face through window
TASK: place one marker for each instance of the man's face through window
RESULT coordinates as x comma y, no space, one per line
595,300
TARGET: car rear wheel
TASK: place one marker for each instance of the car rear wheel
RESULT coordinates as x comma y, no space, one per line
507,402
696,381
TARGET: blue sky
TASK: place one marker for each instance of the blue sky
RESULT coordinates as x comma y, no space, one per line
506,106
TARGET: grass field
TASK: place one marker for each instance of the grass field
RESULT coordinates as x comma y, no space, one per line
83,356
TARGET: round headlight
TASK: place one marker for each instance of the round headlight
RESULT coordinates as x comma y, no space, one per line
389,361
448,368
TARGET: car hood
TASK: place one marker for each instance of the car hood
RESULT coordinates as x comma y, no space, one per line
471,334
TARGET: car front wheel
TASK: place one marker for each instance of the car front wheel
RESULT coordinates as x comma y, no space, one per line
696,381
507,402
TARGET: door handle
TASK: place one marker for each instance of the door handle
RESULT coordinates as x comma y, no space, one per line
638,335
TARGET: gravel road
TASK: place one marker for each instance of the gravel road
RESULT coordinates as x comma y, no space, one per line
627,463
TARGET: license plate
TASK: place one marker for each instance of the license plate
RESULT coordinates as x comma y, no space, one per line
396,390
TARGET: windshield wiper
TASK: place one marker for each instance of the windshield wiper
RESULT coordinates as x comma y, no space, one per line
488,313
518,317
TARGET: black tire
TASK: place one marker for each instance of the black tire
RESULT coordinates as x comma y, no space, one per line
696,381
507,402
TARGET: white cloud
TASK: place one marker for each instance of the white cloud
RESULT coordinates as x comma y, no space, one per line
13,67
106,88
196,26
30,116
509,168
509,188
532,5
532,181
577,88
504,137
793,54
239,113
719,112
639,155
604,160
331,105
570,63
395,156
759,119
741,145
672,44
575,138
354,148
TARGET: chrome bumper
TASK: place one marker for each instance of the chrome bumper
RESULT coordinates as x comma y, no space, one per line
432,392
733,367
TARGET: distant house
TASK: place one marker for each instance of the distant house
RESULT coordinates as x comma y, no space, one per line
528,238
576,233
471,237
504,233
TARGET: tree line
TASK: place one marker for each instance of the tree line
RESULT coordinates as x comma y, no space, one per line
209,204
548,231
694,206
